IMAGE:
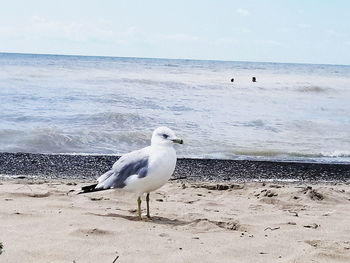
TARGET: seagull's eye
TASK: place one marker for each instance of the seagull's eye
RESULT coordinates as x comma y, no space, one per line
165,136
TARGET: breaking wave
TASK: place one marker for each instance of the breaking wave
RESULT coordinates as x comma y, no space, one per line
313,89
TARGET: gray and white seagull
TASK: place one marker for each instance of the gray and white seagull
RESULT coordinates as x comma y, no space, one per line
144,170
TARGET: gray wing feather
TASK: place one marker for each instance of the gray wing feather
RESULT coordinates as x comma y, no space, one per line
105,176
135,162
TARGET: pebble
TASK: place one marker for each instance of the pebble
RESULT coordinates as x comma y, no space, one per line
24,165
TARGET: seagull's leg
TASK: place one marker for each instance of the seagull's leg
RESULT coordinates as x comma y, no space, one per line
147,200
139,207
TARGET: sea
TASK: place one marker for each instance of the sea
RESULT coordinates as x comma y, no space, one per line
58,104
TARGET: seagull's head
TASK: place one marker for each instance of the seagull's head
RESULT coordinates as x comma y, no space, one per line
165,136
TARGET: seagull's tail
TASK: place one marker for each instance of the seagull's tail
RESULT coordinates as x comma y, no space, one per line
89,189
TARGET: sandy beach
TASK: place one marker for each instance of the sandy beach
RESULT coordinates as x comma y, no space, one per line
232,116
46,221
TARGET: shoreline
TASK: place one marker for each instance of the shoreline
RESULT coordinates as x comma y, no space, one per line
67,166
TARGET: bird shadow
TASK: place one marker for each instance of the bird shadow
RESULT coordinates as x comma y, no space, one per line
154,219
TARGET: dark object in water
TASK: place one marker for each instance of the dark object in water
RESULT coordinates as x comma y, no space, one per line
253,79
232,80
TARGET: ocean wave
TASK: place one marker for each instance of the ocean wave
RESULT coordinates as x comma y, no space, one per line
171,65
116,117
331,154
313,89
52,140
153,82
88,141
36,140
290,154
110,121
256,124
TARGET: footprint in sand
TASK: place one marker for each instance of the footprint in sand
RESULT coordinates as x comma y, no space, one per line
331,249
91,232
32,194
206,225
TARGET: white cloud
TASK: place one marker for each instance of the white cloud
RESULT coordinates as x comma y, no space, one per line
334,33
45,30
272,43
7,32
303,26
242,12
226,41
243,30
73,31
41,29
182,37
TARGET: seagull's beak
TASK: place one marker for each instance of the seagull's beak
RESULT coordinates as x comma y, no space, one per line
178,140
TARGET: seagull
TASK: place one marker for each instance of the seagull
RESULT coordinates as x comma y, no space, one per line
142,171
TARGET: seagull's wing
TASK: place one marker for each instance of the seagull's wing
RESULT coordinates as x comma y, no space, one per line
132,163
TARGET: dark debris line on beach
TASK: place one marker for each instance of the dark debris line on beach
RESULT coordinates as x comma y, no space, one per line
91,166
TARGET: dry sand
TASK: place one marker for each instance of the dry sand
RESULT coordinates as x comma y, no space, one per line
46,221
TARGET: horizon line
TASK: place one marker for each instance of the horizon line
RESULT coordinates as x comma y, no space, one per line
164,58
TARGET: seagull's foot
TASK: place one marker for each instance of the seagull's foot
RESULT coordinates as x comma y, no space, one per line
148,219
139,208
147,200
144,219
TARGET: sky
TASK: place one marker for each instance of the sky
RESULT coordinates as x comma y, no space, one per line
290,31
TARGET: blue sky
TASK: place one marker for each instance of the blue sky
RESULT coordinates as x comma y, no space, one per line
309,31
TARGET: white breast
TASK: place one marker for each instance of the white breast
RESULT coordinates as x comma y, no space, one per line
161,166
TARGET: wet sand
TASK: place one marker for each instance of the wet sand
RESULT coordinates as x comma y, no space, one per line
44,220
